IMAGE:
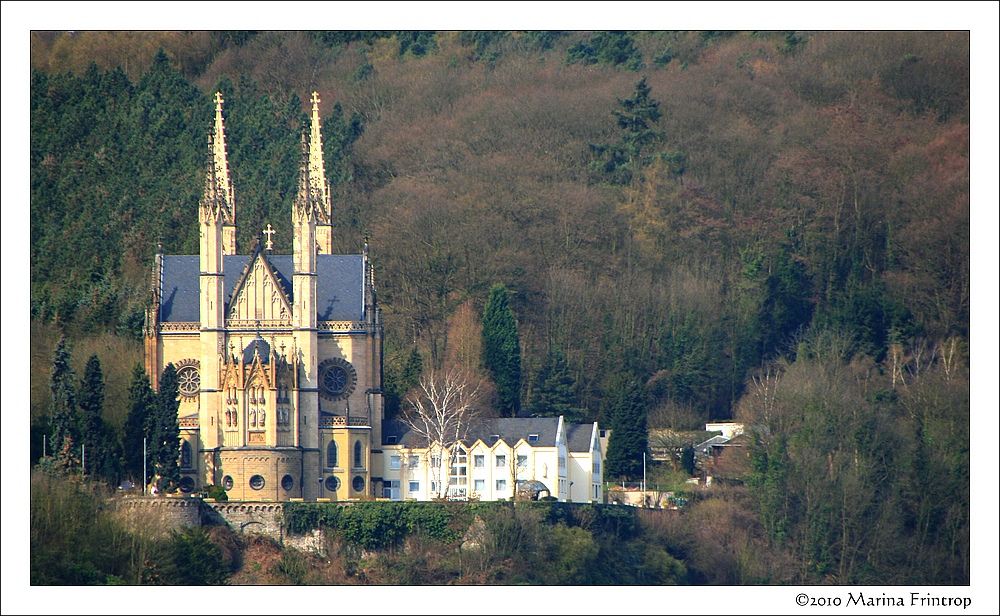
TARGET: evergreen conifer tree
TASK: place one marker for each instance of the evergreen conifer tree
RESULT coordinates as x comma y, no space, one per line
502,350
65,435
553,393
142,403
635,118
628,440
166,430
91,422
413,370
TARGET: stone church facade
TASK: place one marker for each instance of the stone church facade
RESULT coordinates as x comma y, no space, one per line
279,357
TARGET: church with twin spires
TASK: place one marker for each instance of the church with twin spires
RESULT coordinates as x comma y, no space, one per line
279,357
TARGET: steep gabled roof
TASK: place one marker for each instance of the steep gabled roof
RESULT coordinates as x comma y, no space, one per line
339,285
508,429
579,437
281,283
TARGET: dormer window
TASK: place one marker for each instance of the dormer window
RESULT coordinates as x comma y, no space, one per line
390,440
494,438
532,438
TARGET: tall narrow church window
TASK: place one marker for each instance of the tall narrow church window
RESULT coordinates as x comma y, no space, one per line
185,455
331,455
357,455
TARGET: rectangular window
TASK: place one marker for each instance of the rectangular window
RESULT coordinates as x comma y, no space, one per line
395,463
562,461
480,461
532,438
414,486
597,467
414,461
522,461
435,461
480,485
501,485
434,488
597,491
501,461
390,489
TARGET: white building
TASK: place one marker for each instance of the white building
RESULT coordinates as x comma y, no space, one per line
495,457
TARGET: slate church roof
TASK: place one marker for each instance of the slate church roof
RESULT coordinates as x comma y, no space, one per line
339,285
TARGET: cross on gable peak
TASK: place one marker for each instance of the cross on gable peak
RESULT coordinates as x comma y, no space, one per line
269,231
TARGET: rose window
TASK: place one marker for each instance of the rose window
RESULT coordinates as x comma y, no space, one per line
189,381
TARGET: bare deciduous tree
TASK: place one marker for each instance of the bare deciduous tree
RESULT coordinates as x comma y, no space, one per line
441,412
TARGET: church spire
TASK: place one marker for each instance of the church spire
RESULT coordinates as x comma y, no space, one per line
211,210
319,188
302,209
224,189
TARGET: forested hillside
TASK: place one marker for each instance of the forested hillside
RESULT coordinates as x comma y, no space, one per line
695,216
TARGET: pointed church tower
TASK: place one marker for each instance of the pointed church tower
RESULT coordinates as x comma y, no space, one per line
224,186
214,211
319,188
304,325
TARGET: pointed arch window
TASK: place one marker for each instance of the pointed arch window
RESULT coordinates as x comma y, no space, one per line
185,454
358,451
331,455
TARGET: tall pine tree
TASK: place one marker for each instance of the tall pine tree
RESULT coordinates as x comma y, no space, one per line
142,403
65,436
618,163
628,440
553,392
91,421
166,431
502,350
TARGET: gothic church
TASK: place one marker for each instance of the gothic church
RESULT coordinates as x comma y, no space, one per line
279,357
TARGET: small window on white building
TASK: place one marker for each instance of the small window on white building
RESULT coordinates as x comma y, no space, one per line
562,461
501,460
480,485
395,463
522,460
435,461
414,462
479,460
501,485
414,486
597,467
390,489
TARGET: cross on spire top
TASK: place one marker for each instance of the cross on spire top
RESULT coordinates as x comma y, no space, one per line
315,100
218,101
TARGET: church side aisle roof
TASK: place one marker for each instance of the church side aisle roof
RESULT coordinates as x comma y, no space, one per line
339,285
